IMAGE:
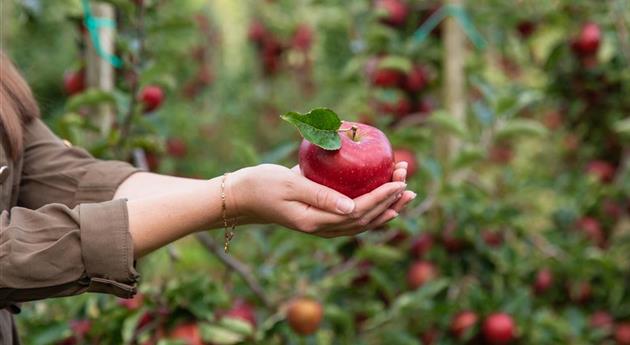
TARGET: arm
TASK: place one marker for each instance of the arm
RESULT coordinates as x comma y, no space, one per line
163,208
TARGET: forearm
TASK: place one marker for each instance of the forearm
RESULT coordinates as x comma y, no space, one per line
163,209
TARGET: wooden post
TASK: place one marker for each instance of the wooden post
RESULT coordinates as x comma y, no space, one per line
6,8
100,72
454,87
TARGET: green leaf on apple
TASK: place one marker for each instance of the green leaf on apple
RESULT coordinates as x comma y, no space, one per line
318,126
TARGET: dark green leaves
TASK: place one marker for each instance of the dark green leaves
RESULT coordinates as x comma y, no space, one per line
319,126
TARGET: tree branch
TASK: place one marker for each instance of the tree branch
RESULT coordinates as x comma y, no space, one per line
240,268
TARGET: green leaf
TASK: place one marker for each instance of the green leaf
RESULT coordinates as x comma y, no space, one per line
237,325
219,335
89,98
521,127
623,128
399,63
447,122
318,126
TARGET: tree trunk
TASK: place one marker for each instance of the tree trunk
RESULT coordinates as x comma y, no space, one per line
454,87
100,72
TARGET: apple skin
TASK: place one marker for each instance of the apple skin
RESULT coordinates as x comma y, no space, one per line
604,171
409,157
601,319
151,97
421,245
622,333
544,281
396,12
302,38
416,80
133,303
492,238
305,315
420,273
591,228
385,77
580,292
588,41
499,329
257,32
357,168
176,147
462,322
74,82
188,332
243,311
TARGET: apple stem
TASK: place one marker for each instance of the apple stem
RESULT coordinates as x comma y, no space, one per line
354,132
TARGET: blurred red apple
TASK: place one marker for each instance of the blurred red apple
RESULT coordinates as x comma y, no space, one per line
302,38
591,228
386,77
74,82
580,292
151,97
257,32
601,319
132,303
409,157
416,79
622,333
176,147
187,332
421,245
420,273
462,323
604,171
395,11
243,311
544,281
305,315
364,162
492,238
526,28
588,40
499,329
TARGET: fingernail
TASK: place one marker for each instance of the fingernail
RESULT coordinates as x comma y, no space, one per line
398,196
413,195
345,206
395,214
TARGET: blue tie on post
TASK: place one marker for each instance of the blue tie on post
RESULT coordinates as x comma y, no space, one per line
462,17
93,24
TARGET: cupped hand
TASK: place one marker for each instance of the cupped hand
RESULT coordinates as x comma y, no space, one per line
275,194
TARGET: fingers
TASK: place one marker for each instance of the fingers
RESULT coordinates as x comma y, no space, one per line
385,217
406,198
369,201
400,172
296,169
322,197
379,209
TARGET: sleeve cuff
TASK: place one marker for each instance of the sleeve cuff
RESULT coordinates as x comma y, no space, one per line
102,180
107,248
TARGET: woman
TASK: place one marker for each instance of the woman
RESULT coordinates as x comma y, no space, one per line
71,223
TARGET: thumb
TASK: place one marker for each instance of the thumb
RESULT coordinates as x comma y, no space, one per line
324,198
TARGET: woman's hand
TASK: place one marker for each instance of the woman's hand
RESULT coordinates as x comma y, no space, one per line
275,194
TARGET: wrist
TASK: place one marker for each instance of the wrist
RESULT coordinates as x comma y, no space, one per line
236,199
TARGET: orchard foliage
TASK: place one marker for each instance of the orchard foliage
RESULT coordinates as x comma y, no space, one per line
519,236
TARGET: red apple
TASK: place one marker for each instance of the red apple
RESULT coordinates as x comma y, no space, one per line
80,327
601,319
399,108
588,40
416,79
526,28
176,147
363,270
591,228
74,82
364,162
622,333
421,245
302,38
492,238
187,332
425,106
544,281
612,209
580,292
499,329
395,11
553,119
419,273
451,242
386,77
305,315
151,97
153,160
430,336
243,311
501,154
257,32
604,171
409,157
462,323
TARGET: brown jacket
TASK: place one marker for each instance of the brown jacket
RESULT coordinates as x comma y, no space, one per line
60,232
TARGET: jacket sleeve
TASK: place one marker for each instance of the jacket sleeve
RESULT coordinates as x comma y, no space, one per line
67,236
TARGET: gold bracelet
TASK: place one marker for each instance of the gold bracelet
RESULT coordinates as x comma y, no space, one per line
228,232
